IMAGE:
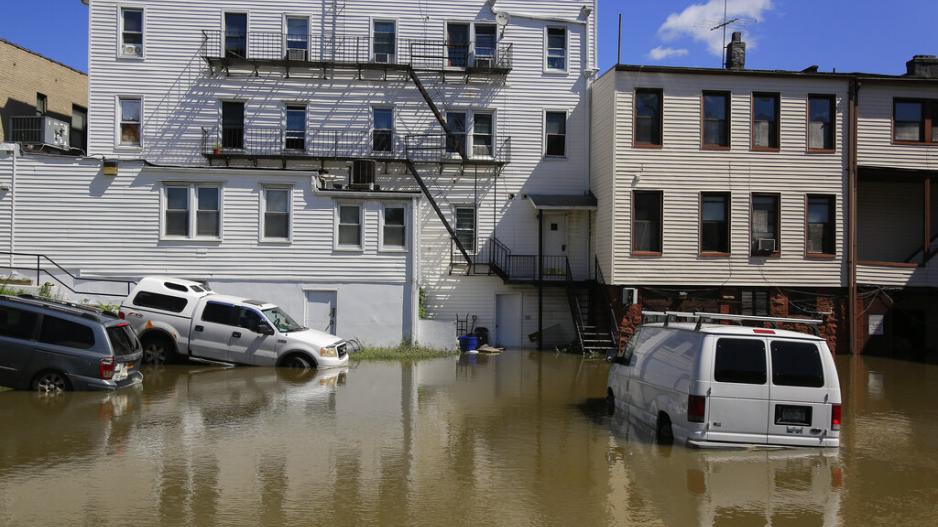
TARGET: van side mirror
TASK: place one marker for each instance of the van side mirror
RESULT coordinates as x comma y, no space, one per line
265,329
622,360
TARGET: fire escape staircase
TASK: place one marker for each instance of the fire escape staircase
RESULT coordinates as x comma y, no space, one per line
594,318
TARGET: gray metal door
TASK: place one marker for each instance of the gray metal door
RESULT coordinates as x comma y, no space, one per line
321,310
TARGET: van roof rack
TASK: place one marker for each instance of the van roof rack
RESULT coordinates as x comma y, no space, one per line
699,318
81,310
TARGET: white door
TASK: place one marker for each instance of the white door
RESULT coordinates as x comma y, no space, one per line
248,345
213,328
555,234
508,320
800,410
321,310
738,406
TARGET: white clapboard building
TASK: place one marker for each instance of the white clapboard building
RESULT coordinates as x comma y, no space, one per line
365,164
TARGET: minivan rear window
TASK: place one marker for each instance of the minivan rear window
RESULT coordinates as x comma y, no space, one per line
173,304
61,332
122,340
796,364
740,361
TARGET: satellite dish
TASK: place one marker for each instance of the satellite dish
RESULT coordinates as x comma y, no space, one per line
502,19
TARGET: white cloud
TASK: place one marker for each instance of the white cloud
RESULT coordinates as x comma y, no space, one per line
662,53
696,21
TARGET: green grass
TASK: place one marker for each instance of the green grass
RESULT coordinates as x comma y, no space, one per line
405,352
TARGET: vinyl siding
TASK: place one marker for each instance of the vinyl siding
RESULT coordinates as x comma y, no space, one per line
602,168
682,170
874,130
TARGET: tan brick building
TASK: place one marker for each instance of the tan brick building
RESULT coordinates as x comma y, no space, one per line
30,80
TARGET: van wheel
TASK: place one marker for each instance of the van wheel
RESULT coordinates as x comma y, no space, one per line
610,402
157,350
51,383
664,433
297,361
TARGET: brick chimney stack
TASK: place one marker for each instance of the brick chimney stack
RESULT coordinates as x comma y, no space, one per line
736,52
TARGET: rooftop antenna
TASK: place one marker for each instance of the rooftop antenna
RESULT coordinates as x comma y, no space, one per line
724,23
619,43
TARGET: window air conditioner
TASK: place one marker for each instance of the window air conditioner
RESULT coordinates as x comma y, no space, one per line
363,175
384,58
765,245
296,54
485,62
132,50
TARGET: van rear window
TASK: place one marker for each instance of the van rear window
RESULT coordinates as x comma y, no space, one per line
740,361
796,364
173,304
122,340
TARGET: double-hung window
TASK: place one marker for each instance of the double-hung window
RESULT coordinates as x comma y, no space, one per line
821,122
295,135
486,42
383,132
297,38
556,49
129,121
648,117
192,211
236,35
716,120
915,121
457,44
820,226
456,121
555,128
647,211
276,214
384,36
765,121
131,32
394,228
466,227
232,125
715,223
765,216
483,134
349,226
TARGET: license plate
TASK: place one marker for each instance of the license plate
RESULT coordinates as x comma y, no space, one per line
793,415
120,373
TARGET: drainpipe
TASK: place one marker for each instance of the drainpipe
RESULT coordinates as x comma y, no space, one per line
540,279
852,215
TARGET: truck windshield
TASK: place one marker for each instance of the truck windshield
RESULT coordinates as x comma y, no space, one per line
281,320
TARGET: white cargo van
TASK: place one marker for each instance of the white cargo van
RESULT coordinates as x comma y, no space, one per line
717,385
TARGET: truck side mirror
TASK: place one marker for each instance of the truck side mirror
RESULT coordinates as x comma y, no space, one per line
265,329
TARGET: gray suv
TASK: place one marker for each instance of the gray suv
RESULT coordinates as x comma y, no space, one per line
52,347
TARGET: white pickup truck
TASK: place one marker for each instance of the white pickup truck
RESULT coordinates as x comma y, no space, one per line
179,318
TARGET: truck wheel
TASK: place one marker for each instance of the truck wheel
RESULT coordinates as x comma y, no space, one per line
610,402
664,432
51,382
157,350
298,361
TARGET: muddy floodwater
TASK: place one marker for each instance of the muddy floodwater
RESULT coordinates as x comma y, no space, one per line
519,439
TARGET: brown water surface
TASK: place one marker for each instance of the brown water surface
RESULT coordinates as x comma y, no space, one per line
519,439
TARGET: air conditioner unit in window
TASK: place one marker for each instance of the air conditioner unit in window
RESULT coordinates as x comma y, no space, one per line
296,54
384,58
362,175
132,50
485,62
765,246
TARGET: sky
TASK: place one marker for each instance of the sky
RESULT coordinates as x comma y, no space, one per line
875,36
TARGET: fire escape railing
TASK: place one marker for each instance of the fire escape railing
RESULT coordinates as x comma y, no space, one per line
315,143
614,314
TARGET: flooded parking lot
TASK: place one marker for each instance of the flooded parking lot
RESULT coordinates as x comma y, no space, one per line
518,439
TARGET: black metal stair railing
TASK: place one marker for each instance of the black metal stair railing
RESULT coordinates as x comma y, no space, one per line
615,316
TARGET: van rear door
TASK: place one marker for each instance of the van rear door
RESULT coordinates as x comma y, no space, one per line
739,394
800,410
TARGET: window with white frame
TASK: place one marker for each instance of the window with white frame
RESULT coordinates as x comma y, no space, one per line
192,211
466,227
131,32
456,143
129,121
276,205
556,49
394,230
295,134
384,38
383,131
349,226
483,134
555,134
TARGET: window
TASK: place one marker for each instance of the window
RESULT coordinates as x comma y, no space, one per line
456,121
796,364
350,228
129,122
77,130
765,119
295,137
60,332
715,223
466,227
765,224
180,221
170,303
383,133
556,49
277,213
821,225
740,361
42,104
131,32
486,41
915,121
646,221
236,35
250,320
218,313
297,38
457,45
716,120
17,323
555,139
754,302
483,131
648,117
394,232
232,125
384,41
822,111
122,339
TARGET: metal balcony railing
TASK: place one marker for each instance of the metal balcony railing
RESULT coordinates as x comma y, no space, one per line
26,129
355,50
436,148
319,143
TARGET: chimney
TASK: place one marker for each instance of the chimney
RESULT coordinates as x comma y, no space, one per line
925,66
736,52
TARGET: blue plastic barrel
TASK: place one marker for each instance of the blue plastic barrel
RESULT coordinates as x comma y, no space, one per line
468,343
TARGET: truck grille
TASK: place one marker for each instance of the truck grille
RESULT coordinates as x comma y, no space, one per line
342,349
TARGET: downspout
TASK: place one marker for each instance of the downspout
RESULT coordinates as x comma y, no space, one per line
852,216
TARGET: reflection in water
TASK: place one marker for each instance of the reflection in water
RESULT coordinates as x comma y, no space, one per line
522,438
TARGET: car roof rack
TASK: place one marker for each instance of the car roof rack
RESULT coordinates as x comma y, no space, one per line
699,319
88,312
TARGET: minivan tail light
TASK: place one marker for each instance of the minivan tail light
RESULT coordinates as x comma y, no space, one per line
836,417
121,315
106,368
696,408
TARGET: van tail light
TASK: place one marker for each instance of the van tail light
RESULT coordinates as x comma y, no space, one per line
696,408
836,417
106,368
121,315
